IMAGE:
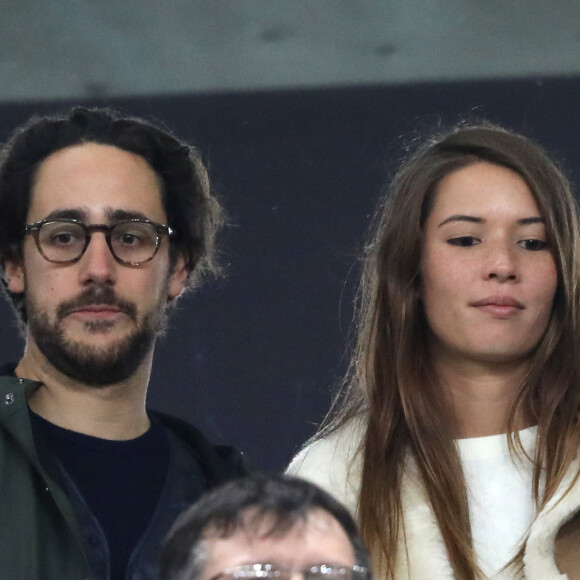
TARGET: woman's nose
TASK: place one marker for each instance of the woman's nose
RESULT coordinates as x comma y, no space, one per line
501,264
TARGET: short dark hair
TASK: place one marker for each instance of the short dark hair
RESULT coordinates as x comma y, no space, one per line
192,210
282,500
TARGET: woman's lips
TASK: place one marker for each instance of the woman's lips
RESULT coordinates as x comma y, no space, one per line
500,306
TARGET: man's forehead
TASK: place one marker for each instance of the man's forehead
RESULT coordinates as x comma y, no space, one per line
312,539
97,180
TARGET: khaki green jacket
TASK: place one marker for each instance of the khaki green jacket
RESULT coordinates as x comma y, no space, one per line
39,538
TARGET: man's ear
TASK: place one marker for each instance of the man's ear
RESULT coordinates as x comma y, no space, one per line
178,278
14,275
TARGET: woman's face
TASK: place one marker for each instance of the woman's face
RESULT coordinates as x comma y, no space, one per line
488,274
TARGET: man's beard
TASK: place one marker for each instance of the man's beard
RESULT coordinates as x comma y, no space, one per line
96,366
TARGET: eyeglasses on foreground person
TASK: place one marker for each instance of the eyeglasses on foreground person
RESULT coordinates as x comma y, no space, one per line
275,571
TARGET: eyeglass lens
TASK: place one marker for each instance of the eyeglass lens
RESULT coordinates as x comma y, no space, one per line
66,241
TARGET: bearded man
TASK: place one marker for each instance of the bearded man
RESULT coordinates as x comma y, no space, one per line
104,221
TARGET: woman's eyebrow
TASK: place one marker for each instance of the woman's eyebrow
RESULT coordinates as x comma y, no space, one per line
478,220
531,220
462,218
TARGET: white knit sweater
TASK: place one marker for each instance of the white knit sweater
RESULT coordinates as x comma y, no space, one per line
334,464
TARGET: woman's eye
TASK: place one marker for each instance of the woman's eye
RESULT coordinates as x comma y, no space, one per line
533,244
464,241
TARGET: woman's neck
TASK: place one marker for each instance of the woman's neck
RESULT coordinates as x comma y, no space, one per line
481,396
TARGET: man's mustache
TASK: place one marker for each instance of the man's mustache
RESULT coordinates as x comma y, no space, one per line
96,295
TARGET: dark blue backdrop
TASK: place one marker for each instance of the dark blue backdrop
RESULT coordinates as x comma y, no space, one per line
253,357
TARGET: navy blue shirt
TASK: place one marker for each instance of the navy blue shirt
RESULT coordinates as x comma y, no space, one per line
121,481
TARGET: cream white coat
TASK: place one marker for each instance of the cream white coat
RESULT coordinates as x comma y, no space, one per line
334,464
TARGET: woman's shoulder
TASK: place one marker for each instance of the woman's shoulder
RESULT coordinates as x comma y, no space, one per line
338,446
333,461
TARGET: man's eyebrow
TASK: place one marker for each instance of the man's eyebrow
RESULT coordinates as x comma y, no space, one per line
478,220
118,215
68,213
81,214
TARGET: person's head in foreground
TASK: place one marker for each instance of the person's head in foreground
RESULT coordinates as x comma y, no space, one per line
265,527
469,319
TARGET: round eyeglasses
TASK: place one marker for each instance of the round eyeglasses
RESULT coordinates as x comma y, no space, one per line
280,572
64,241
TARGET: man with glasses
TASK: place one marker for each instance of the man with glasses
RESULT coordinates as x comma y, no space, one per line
104,221
277,527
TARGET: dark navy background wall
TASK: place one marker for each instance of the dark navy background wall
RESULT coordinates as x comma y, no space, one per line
252,358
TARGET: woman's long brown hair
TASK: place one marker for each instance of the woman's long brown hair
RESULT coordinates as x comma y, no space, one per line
391,379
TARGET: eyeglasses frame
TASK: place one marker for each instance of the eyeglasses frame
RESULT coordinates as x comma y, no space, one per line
360,572
34,230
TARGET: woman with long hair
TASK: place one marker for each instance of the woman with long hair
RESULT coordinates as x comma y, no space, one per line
455,439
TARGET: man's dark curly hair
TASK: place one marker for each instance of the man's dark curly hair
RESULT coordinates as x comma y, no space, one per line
192,211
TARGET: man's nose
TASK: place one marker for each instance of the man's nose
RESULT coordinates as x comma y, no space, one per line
98,263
